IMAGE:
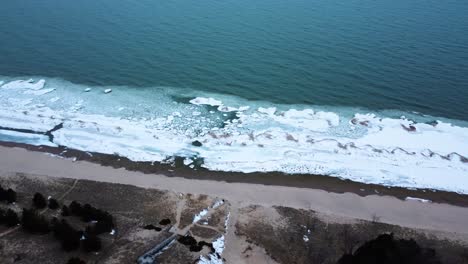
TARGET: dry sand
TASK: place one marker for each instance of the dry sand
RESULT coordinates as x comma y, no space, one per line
414,214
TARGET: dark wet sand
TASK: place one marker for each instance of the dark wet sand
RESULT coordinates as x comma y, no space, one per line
320,182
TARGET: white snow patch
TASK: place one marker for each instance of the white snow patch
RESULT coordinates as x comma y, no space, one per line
417,199
217,203
200,215
214,258
107,91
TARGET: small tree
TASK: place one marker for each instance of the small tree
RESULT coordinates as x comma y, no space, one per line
39,201
53,204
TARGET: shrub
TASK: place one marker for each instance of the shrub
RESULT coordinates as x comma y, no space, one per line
75,208
10,196
53,204
385,249
39,201
33,222
187,240
105,222
11,218
91,243
165,222
65,211
69,237
152,227
2,216
7,195
2,194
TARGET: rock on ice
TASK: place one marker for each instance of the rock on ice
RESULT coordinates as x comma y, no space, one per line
107,91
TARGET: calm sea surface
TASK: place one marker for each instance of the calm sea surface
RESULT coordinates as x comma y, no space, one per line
410,55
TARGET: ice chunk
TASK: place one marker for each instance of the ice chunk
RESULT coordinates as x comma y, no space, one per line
205,101
25,84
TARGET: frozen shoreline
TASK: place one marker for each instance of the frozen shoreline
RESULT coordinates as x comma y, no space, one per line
364,147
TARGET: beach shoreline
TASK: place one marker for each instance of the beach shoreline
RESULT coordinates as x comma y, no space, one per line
387,208
308,181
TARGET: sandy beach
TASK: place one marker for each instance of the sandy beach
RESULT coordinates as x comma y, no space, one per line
412,213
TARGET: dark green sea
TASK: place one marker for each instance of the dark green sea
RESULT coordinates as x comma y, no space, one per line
386,54
374,91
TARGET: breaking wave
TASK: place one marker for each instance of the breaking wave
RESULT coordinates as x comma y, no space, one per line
153,124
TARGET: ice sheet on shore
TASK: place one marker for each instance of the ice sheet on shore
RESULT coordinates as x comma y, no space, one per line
364,147
39,92
25,84
26,138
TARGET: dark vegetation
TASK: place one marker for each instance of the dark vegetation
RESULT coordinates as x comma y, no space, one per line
53,204
65,211
192,243
101,221
9,218
152,227
8,195
76,261
165,222
91,243
39,201
70,238
387,250
33,222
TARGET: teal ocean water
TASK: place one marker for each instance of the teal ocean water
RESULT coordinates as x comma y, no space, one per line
371,91
399,54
